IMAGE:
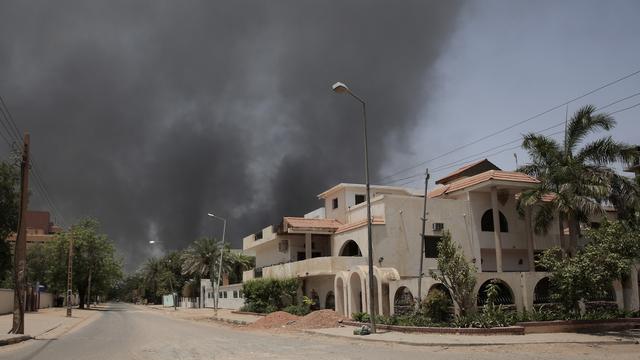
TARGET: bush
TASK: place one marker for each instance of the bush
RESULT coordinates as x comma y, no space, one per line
360,317
300,310
269,295
436,306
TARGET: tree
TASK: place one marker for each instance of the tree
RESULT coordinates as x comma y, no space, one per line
153,272
9,203
201,260
96,266
456,273
579,179
608,256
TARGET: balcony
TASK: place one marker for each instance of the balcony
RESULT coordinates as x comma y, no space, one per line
328,265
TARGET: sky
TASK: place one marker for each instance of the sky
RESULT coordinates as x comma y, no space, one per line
148,115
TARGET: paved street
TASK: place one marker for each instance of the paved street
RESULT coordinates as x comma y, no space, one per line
129,332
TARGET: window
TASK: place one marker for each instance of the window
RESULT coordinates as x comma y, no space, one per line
486,223
335,203
225,294
220,295
431,246
360,198
235,294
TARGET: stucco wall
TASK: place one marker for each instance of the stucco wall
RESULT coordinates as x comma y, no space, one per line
6,300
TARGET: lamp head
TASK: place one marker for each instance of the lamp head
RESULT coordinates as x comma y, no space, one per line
340,88
152,242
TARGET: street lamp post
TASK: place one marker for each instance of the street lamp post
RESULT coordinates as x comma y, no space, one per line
216,293
342,89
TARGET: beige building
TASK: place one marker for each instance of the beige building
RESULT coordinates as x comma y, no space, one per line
40,228
327,248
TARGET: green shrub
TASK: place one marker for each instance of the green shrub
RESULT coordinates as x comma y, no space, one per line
269,295
360,317
300,310
436,306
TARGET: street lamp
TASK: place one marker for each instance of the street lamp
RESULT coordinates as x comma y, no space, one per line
216,294
174,295
341,88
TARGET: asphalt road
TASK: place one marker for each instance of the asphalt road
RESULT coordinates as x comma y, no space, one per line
128,332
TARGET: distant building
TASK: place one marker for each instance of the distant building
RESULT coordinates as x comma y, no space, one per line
40,229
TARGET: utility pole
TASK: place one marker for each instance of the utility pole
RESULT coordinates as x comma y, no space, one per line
69,275
20,263
422,238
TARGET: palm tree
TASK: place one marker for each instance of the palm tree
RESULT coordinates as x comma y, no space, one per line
153,272
201,259
578,179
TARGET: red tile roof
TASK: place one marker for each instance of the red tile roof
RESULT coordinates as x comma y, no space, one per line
358,224
482,166
319,224
497,175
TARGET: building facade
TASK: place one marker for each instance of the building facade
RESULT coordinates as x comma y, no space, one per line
327,248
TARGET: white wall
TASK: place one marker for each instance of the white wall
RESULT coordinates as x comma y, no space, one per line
233,299
6,300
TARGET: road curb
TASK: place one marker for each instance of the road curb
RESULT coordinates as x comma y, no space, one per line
412,343
15,340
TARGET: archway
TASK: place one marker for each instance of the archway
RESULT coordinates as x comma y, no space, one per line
350,248
441,303
505,294
330,301
403,301
340,300
486,222
542,292
355,293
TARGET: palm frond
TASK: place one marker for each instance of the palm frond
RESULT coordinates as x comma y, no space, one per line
584,122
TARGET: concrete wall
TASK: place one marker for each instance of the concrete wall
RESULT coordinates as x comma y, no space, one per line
231,295
6,300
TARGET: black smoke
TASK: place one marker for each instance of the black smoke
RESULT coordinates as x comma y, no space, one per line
149,114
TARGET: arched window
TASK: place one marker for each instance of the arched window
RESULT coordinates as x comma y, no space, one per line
350,248
330,301
504,296
486,223
403,301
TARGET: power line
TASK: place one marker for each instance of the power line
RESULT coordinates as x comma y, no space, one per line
604,86
13,132
464,160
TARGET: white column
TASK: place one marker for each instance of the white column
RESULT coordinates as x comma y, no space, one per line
630,291
530,247
496,228
307,246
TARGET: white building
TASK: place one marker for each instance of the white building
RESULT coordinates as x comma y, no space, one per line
327,248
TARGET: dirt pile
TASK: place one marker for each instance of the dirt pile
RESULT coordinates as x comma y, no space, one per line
318,320
282,320
278,319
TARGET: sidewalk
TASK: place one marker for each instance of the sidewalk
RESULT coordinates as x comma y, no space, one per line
44,324
206,314
622,337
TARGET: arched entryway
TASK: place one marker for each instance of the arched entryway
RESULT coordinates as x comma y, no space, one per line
330,301
505,294
350,248
355,293
403,301
542,292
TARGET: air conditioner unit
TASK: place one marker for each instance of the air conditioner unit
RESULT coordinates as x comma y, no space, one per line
283,246
437,226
